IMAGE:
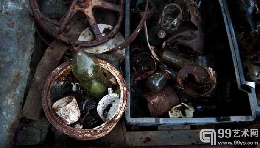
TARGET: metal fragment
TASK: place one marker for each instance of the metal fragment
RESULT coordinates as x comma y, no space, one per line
151,48
196,80
162,101
135,33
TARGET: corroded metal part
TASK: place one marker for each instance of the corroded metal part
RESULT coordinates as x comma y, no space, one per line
135,33
197,80
143,65
57,29
162,101
83,134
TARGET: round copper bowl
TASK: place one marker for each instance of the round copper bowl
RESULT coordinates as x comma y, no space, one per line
82,134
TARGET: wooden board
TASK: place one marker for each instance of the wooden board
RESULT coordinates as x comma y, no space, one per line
33,104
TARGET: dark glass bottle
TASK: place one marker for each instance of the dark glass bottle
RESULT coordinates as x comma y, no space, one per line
156,81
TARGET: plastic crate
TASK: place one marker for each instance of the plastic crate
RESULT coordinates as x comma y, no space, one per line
243,98
235,47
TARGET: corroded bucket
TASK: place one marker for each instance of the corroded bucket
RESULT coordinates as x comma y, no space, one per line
82,134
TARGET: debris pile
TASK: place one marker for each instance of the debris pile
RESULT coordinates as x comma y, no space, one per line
247,30
91,102
86,96
168,66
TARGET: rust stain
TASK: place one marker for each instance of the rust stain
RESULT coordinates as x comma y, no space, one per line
11,24
16,80
13,85
196,80
162,101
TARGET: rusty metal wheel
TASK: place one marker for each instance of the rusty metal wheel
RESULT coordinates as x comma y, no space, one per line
58,28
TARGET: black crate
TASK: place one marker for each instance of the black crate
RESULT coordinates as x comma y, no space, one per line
227,64
251,86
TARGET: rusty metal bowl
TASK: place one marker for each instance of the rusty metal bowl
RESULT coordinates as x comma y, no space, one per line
82,134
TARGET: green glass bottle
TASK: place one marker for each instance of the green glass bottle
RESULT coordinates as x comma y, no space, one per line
85,66
95,88
92,77
174,59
